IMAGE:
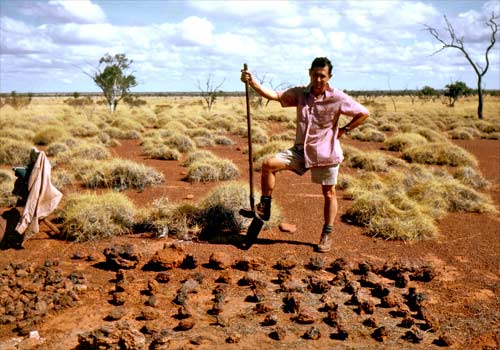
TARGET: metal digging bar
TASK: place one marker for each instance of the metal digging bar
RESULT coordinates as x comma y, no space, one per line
256,224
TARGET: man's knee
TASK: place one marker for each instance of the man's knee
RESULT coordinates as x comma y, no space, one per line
329,192
273,164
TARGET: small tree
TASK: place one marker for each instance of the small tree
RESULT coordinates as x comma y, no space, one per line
427,93
210,91
455,90
113,78
458,43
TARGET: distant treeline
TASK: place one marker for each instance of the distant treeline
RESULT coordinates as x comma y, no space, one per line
236,93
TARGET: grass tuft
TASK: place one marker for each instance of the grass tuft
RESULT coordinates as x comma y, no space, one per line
440,154
90,217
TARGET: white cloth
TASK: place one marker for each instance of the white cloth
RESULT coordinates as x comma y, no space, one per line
43,197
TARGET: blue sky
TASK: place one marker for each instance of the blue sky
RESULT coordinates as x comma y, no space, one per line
46,46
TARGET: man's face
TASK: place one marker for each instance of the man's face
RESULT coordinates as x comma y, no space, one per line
319,79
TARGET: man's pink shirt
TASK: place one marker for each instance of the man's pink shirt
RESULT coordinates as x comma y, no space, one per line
317,122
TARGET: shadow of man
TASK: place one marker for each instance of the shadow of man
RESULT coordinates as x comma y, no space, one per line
9,237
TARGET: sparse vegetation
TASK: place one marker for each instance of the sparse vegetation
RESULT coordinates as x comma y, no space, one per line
440,154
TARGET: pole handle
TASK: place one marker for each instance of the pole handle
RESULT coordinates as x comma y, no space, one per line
249,128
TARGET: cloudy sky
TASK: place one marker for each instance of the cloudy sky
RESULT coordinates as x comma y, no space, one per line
46,46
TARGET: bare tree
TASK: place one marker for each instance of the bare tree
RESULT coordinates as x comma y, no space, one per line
458,43
210,91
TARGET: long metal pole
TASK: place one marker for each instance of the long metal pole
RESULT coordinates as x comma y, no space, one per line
249,128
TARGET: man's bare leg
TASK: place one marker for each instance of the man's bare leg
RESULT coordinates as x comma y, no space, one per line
329,214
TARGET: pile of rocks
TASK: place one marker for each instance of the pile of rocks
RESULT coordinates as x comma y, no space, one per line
28,292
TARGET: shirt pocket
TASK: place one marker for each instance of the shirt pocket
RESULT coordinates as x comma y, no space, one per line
324,114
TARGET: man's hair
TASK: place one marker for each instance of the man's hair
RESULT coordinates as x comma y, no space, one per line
320,62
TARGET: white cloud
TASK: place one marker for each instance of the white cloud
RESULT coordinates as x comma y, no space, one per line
196,30
64,11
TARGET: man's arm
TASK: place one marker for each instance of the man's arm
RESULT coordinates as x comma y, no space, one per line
246,76
354,123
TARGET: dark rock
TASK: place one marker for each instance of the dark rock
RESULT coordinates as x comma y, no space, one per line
423,274
340,264
262,308
318,285
414,299
413,336
224,277
444,340
183,312
189,262
380,290
402,280
248,264
163,277
119,298
370,280
219,261
316,263
380,334
270,320
124,256
407,322
149,314
286,262
305,316
152,301
341,334
371,322
170,257
233,338
312,333
392,300
292,285
291,304
116,314
279,333
364,267
366,307
351,287
401,311
185,325
78,255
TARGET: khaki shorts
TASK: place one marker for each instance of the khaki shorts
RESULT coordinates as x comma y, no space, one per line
294,158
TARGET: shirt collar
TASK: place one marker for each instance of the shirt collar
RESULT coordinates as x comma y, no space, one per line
328,92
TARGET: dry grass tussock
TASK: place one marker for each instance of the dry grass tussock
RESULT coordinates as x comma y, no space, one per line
405,205
440,154
400,142
212,169
14,152
118,174
7,180
90,217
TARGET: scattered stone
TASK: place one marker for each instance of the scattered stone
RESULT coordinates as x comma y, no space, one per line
224,277
270,320
248,264
163,277
185,325
312,333
305,316
160,341
402,280
370,280
279,333
407,322
340,264
262,308
92,257
351,287
152,301
291,304
413,336
316,263
318,285
122,256
342,278
283,276
219,261
423,274
170,257
414,299
116,314
431,323
250,278
78,255
364,267
189,196
286,262
151,328
380,334
292,285
149,314
152,287
233,338
371,322
189,263
444,340
401,311
113,336
119,298
332,319
380,290
289,228
183,312
392,300
366,307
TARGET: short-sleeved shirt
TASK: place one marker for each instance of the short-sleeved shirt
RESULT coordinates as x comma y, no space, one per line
317,122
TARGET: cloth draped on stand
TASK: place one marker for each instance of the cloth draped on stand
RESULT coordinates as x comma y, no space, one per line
43,197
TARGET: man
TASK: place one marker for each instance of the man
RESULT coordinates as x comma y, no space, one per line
317,145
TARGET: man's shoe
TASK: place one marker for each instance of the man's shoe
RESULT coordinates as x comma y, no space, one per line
262,210
325,243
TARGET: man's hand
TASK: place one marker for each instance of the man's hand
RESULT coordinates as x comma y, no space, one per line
246,77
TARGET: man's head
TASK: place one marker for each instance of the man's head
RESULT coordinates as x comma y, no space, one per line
320,73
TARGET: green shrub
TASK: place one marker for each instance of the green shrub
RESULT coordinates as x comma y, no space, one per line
90,217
